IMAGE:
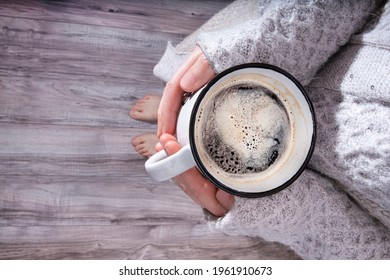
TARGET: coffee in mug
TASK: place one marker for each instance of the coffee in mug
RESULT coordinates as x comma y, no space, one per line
245,128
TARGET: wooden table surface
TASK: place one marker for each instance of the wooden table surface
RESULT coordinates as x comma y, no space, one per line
71,184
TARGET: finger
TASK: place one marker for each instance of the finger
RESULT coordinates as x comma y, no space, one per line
226,199
198,75
169,108
159,147
172,147
167,137
206,194
193,183
163,141
172,98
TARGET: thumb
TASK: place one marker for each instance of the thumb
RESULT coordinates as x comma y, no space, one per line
169,144
172,147
198,75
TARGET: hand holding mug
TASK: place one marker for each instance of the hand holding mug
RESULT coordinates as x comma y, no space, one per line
192,75
196,186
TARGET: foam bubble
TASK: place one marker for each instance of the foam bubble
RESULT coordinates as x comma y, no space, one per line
246,127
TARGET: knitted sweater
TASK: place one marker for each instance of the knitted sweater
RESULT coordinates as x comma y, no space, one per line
339,208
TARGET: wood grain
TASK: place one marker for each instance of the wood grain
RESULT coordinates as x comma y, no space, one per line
184,241
85,101
161,16
91,201
71,184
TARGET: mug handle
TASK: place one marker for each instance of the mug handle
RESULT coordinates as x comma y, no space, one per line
161,167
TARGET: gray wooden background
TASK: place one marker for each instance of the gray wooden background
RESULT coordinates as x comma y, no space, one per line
71,185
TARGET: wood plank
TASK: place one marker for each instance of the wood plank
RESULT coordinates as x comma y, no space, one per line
162,16
67,50
72,100
183,241
79,37
136,66
67,140
68,150
96,201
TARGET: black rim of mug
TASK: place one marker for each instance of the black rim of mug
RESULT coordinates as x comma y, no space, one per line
198,161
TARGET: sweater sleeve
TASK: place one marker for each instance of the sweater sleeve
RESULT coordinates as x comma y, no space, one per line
314,218
298,36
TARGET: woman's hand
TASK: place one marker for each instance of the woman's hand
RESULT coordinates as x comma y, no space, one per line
192,182
190,77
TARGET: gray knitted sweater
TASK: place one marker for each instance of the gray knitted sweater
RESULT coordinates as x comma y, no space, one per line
339,208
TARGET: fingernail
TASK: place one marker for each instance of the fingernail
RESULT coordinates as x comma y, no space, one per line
158,147
171,148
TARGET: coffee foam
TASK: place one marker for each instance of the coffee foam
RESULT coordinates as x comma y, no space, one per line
245,128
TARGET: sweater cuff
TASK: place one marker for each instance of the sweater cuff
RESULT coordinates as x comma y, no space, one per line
169,63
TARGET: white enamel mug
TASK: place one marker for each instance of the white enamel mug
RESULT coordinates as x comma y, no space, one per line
277,176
